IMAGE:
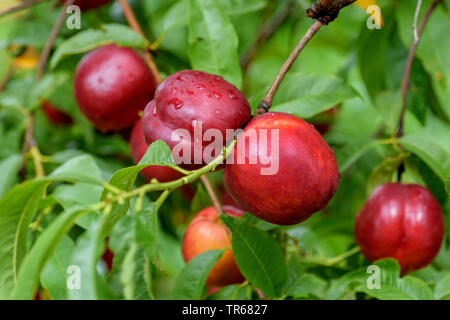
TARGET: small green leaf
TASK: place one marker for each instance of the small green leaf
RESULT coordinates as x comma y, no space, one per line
258,256
232,292
307,284
158,153
85,256
80,169
432,154
209,25
146,230
238,7
191,280
9,168
384,172
93,38
351,152
17,209
131,267
54,275
442,288
42,250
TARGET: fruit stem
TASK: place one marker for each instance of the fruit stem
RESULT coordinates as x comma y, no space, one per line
134,24
409,63
167,186
266,103
37,160
332,261
51,39
212,194
20,7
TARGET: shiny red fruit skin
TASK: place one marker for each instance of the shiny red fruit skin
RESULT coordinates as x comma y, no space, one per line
207,232
88,4
138,147
112,84
54,115
187,98
401,221
307,176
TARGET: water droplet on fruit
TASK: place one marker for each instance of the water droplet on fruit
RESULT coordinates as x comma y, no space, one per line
217,78
154,112
232,95
217,95
173,90
179,78
177,103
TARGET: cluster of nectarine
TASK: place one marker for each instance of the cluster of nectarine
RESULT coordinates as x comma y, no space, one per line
113,85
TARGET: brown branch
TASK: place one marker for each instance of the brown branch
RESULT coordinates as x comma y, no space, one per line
134,24
409,63
265,33
215,200
20,7
51,40
30,147
326,11
266,103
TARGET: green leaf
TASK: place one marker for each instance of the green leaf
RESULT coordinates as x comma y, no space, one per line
122,179
146,230
384,172
389,273
46,87
135,275
158,153
307,284
433,155
238,7
191,280
79,194
178,14
80,169
407,288
307,95
88,248
9,168
415,287
351,152
258,256
442,288
54,275
42,250
208,27
232,292
132,269
17,209
93,38
386,292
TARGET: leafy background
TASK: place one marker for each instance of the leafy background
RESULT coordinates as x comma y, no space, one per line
50,223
